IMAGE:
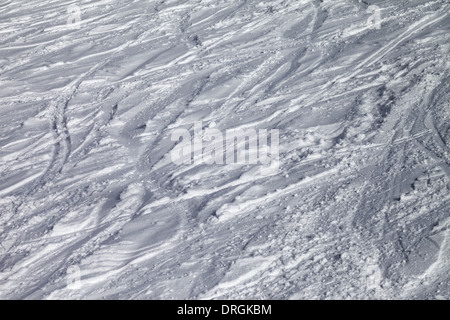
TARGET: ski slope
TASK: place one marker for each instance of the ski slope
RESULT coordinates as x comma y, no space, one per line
93,207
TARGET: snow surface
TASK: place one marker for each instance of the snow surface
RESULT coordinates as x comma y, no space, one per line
92,207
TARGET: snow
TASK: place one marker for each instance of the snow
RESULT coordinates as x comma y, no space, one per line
93,207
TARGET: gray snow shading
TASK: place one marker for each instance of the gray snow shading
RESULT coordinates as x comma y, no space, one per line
358,210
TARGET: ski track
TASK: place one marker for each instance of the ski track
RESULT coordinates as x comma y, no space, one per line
358,210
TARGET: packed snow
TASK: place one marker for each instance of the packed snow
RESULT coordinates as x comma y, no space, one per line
92,205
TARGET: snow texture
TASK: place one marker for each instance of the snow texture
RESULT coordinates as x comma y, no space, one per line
93,207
